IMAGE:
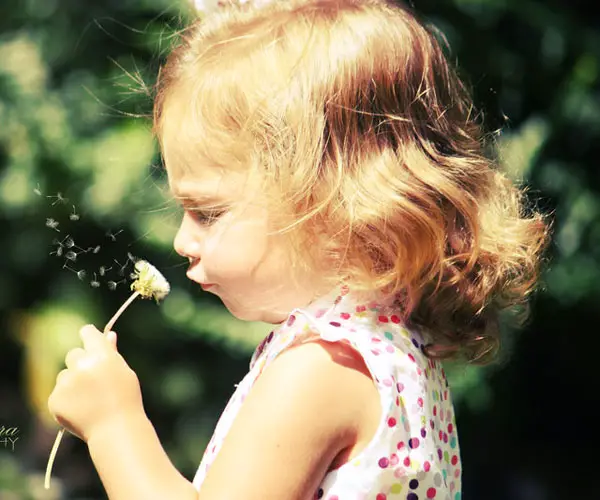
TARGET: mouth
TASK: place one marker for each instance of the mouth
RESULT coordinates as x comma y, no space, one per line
206,286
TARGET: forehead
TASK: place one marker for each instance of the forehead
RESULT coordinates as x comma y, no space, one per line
195,167
208,184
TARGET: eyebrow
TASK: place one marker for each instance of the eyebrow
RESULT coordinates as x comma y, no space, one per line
205,199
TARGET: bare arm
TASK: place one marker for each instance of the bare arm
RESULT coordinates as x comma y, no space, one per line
312,403
132,463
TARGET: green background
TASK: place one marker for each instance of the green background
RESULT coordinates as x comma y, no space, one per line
75,81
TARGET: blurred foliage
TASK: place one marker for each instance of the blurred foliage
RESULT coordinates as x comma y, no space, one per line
75,97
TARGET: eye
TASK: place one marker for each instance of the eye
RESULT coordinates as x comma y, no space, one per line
205,217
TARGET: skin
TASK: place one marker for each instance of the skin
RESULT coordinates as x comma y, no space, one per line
235,248
98,396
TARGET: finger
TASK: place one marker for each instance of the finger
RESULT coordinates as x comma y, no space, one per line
74,356
62,375
93,339
112,338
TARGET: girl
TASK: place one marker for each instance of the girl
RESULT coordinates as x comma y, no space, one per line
334,183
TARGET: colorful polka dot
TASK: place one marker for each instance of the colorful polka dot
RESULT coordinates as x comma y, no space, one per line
413,443
419,423
396,488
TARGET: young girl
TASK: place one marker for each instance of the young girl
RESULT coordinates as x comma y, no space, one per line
334,183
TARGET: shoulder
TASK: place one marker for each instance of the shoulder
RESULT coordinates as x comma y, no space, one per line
306,409
314,374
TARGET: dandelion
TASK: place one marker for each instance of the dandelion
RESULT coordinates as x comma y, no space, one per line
37,190
52,224
81,274
59,198
103,270
149,283
112,236
95,283
71,255
74,215
59,250
121,268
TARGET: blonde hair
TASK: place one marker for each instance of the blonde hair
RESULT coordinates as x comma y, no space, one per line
364,133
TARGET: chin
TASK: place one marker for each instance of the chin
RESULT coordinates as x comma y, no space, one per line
262,315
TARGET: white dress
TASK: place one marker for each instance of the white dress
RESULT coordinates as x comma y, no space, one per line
414,454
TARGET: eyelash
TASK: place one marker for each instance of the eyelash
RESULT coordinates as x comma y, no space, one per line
206,218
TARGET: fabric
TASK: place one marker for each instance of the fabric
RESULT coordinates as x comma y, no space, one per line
414,454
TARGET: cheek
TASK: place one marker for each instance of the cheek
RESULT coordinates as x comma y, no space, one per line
236,250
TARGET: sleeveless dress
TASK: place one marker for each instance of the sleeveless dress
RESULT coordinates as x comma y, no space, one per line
414,454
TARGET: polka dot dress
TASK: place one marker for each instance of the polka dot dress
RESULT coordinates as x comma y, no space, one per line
414,454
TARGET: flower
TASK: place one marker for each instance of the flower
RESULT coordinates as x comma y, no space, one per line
149,281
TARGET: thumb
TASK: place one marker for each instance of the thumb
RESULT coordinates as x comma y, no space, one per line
112,338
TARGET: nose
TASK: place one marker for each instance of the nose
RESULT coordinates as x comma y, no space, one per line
187,241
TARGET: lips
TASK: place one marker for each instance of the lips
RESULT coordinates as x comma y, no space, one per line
192,275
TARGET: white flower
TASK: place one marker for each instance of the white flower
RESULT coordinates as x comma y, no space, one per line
149,281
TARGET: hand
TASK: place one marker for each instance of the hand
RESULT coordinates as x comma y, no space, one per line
97,388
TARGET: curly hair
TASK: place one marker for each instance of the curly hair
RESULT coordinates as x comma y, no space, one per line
364,133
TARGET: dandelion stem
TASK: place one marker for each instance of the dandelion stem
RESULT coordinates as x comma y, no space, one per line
112,321
149,283
61,432
52,457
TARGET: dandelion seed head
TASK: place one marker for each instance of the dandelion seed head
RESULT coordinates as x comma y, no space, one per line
149,281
